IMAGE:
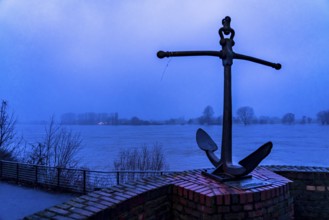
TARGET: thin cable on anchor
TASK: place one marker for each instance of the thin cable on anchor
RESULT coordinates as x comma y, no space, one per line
165,69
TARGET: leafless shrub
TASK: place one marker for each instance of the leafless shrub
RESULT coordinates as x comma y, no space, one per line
142,159
58,149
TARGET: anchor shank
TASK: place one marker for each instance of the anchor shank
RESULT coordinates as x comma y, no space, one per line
276,66
226,153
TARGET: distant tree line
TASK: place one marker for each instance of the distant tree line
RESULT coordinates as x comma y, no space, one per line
90,118
244,115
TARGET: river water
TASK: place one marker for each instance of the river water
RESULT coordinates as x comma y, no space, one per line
292,144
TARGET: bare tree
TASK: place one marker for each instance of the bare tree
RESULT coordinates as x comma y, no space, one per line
288,118
245,114
323,117
208,116
9,142
58,149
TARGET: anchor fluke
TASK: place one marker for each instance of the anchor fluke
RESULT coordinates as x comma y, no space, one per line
252,160
247,164
206,143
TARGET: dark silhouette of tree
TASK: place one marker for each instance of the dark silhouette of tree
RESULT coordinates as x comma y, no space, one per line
288,118
136,121
9,142
305,120
208,116
323,117
245,114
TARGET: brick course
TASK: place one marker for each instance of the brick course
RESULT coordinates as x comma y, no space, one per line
185,195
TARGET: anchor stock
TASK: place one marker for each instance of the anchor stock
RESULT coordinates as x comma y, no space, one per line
162,54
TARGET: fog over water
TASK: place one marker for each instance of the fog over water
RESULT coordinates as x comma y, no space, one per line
100,56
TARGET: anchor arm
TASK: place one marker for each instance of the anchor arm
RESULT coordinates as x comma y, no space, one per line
276,66
161,54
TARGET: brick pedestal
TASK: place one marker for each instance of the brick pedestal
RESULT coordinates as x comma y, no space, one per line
185,195
198,197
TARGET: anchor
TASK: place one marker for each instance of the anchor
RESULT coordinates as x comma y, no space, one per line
224,168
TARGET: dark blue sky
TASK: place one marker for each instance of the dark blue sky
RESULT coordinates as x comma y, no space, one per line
81,56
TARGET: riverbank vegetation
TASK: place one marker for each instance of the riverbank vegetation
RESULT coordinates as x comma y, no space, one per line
244,115
60,146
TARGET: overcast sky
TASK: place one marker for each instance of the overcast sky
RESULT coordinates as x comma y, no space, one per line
60,56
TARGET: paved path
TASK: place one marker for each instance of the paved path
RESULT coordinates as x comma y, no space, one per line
18,201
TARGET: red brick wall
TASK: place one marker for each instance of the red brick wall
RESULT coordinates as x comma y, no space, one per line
310,190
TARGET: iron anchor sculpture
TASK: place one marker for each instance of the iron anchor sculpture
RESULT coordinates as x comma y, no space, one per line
224,168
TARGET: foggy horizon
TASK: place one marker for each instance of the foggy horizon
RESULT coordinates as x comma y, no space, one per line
71,56
58,118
